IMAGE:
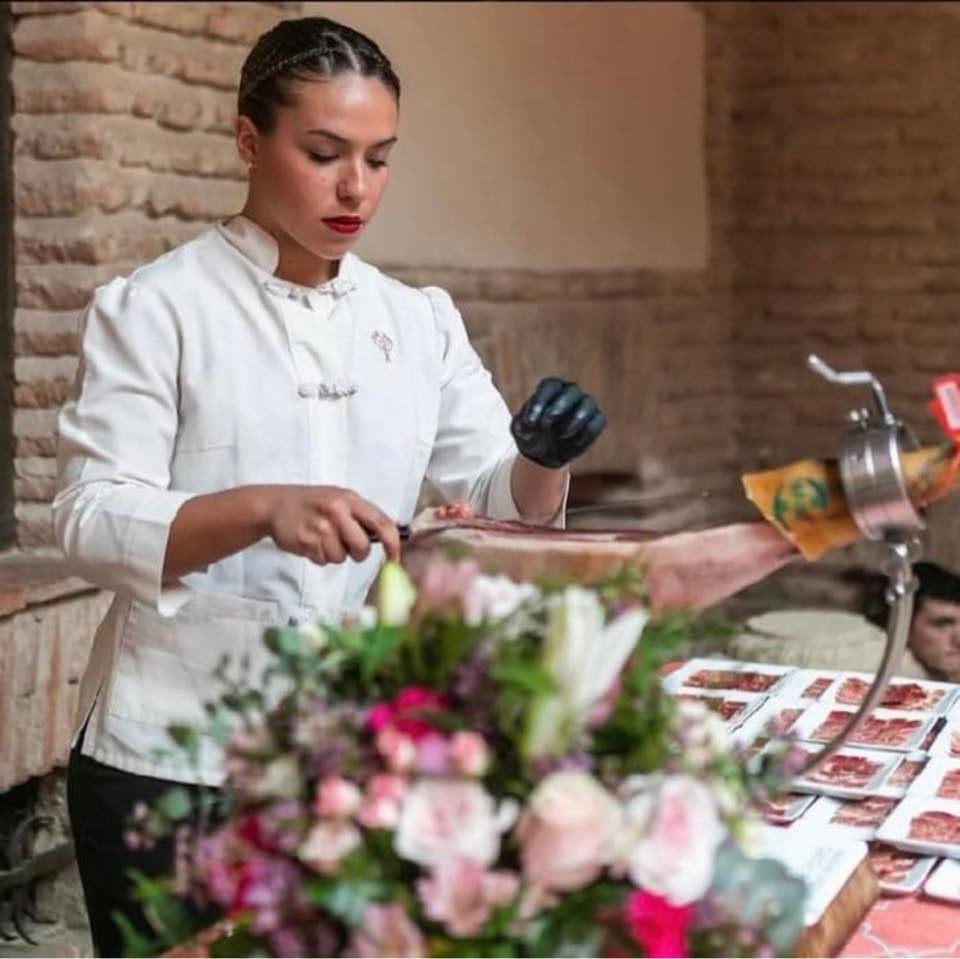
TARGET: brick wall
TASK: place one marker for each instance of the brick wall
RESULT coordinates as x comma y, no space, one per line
43,653
833,196
833,152
123,149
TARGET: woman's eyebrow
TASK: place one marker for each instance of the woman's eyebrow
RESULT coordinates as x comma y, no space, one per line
340,139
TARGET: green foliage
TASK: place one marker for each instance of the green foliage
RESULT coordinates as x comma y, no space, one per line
752,904
168,916
572,928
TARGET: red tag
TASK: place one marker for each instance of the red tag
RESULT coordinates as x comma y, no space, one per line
945,404
945,407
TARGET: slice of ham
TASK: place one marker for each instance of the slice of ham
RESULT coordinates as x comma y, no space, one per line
684,570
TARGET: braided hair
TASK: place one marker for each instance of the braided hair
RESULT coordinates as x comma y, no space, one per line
309,48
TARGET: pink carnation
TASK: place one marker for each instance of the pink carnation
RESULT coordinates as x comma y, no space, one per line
658,926
406,712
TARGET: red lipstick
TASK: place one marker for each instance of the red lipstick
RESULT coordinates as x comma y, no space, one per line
344,224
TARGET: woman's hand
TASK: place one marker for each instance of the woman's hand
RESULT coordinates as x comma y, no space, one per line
327,524
557,423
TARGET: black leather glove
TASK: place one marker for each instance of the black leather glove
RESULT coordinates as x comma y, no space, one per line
557,423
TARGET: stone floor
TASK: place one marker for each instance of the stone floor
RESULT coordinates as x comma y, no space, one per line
59,897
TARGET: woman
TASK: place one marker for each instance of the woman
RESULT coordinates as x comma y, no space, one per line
255,412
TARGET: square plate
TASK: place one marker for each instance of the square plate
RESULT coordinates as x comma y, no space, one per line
754,729
841,815
944,883
947,742
825,861
727,674
876,765
931,780
808,684
907,768
732,707
909,869
915,726
786,809
896,829
906,695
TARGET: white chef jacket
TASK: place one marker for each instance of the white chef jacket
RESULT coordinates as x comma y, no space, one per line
203,371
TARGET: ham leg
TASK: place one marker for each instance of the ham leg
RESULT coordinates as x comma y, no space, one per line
685,570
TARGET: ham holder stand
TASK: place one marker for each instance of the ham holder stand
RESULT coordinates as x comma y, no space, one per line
872,478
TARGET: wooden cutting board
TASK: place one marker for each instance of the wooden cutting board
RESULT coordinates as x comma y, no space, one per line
842,917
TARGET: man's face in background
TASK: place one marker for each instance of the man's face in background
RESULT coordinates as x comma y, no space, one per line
935,637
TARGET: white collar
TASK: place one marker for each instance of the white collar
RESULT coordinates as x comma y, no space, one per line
258,246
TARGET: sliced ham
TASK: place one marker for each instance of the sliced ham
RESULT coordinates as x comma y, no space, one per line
684,570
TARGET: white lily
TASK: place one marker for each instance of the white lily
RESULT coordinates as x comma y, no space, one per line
584,657
396,595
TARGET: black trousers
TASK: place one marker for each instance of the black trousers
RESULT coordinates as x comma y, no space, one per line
100,800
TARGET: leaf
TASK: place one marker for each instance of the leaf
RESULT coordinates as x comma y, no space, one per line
134,942
175,804
346,899
240,942
187,739
529,676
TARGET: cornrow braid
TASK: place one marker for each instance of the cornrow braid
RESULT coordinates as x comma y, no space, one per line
304,49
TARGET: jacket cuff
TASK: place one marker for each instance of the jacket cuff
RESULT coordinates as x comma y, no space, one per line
500,504
146,550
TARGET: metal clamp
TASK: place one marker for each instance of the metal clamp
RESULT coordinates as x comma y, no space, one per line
873,482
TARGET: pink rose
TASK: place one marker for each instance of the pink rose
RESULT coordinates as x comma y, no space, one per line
327,843
381,805
658,926
444,585
399,751
462,895
337,798
469,753
386,930
568,831
670,837
444,819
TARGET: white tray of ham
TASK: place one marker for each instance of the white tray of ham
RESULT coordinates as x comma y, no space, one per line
731,706
852,818
899,873
925,825
897,783
909,695
808,684
786,809
757,727
947,742
940,778
849,773
945,882
727,674
890,729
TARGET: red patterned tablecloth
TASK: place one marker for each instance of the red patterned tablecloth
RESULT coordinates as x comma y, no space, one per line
907,926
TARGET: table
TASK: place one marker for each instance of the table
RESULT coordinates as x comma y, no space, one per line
907,926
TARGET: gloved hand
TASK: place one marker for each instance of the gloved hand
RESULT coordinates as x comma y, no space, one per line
557,423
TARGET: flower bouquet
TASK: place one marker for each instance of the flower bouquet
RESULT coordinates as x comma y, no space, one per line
475,767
